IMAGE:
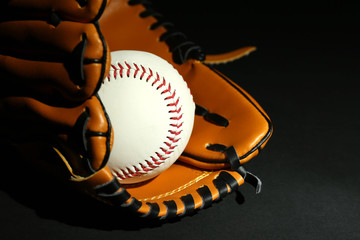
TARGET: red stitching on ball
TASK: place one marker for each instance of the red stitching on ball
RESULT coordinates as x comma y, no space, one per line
177,125
130,172
170,146
175,110
156,80
118,175
151,164
136,70
162,84
156,162
115,70
128,69
161,157
177,117
176,133
143,72
150,75
144,168
174,140
137,172
168,90
121,69
166,151
171,97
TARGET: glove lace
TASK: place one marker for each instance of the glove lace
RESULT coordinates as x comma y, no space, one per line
179,45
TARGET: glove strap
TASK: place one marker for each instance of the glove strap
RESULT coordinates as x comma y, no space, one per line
234,161
213,118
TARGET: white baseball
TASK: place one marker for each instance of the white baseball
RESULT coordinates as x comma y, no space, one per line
151,111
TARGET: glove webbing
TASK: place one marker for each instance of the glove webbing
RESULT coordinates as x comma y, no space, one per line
114,193
179,45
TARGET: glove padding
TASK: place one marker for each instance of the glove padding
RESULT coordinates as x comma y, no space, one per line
53,59
52,50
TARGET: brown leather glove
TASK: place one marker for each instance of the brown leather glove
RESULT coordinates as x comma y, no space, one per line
57,101
230,126
53,58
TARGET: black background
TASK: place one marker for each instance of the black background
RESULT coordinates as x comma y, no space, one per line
304,74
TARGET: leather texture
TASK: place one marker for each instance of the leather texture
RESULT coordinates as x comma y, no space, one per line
50,69
53,57
43,51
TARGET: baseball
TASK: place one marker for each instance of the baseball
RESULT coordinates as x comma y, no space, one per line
152,114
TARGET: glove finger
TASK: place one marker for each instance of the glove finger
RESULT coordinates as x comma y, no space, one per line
39,40
82,135
70,59
48,81
75,10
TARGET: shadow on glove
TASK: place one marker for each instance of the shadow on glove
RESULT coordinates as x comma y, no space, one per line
36,187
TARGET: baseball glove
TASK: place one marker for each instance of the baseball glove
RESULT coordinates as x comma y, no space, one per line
57,99
53,59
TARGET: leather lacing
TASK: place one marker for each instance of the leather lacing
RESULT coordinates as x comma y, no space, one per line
115,194
182,50
179,45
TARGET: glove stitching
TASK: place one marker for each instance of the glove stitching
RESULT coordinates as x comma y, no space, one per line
119,70
179,189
